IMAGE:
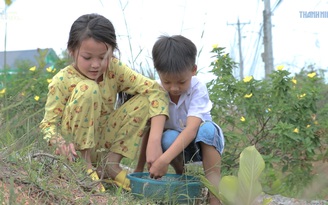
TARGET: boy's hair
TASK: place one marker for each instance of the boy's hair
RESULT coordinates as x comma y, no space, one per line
174,54
91,26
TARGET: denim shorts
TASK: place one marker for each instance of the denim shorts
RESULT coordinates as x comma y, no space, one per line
208,133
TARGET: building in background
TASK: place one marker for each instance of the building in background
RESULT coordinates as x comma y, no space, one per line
11,62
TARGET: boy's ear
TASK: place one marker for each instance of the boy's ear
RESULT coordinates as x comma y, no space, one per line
194,70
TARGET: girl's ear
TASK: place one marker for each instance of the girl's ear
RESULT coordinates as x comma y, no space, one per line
72,56
194,70
71,53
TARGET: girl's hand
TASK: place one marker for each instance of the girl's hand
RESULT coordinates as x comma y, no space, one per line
63,148
67,150
152,154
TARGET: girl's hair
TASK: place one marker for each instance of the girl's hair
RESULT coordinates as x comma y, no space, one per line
174,54
97,27
91,26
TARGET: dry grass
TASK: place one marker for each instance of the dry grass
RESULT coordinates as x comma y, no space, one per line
21,186
42,180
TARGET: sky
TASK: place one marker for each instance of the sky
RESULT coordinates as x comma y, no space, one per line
296,41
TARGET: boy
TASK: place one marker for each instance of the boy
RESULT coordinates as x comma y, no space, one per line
189,133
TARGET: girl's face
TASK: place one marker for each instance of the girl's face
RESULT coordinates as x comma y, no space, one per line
92,58
177,84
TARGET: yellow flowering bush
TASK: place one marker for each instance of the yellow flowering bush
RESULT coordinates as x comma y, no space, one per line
279,112
23,96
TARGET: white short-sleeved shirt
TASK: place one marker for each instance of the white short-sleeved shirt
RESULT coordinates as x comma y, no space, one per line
195,102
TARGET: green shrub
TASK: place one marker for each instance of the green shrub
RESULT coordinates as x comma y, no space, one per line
22,100
278,115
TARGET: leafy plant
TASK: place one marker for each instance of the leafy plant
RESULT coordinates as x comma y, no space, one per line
278,115
245,188
22,103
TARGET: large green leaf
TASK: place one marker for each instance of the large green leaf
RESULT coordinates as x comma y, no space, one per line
245,188
228,188
251,167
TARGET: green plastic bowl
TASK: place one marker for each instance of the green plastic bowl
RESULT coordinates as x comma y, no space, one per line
171,187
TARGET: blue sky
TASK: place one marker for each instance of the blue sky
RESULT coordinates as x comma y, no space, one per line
297,41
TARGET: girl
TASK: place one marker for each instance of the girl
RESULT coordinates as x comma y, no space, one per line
80,112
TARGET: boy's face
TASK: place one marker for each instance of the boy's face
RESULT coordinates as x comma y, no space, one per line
92,58
177,84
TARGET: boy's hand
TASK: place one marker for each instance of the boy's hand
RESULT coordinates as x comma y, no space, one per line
158,168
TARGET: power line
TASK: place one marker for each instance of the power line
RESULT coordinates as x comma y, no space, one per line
232,50
319,2
278,2
255,48
241,62
256,55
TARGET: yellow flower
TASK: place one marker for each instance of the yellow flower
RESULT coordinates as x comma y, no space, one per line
303,95
280,67
311,75
294,81
49,69
36,98
49,80
54,70
248,95
215,46
269,109
307,126
316,122
22,93
33,68
247,79
242,119
296,130
3,91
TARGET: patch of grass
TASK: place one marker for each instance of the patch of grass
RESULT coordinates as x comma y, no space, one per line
33,176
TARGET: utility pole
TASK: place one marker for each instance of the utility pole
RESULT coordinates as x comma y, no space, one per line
5,48
241,61
267,56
